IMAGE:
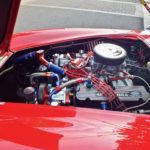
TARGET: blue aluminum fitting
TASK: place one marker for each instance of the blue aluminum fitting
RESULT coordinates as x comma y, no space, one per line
104,105
89,84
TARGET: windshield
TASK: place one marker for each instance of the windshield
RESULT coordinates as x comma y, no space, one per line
116,14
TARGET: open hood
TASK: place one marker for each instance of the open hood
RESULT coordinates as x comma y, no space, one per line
8,14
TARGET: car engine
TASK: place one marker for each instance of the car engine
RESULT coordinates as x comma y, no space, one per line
98,74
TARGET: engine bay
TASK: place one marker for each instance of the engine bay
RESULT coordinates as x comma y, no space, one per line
107,74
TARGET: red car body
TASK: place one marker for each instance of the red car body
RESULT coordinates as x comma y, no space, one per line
26,126
44,127
53,36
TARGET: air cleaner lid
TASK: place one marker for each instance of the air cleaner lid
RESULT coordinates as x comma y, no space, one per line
109,54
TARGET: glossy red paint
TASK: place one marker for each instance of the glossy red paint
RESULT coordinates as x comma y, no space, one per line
30,127
24,126
37,38
11,19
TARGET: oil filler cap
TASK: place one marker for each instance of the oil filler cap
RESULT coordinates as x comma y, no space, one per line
109,54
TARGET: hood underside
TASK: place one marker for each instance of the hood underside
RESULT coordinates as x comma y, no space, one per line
8,14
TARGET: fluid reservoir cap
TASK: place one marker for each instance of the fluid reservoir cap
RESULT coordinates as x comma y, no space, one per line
28,90
29,93
109,54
